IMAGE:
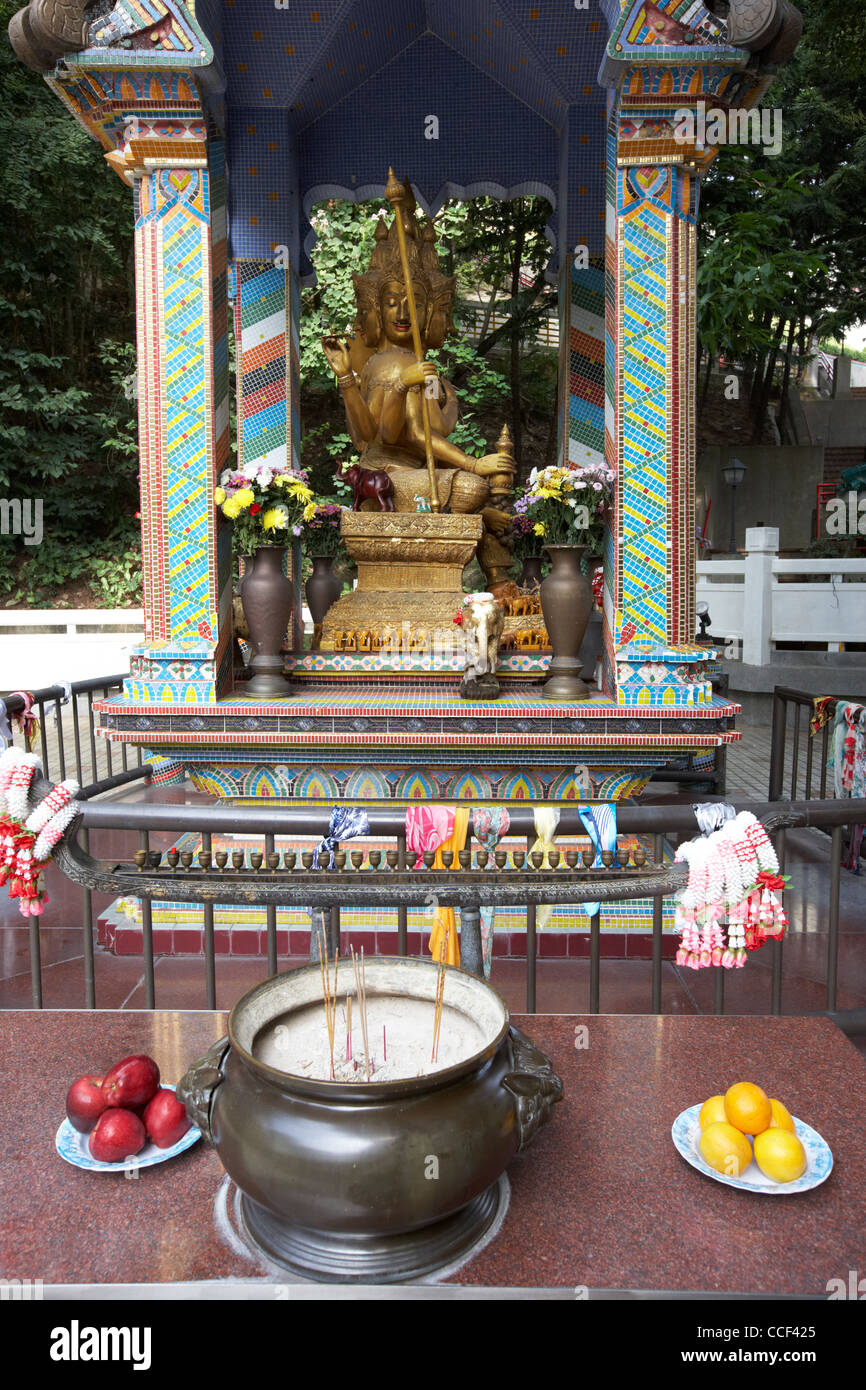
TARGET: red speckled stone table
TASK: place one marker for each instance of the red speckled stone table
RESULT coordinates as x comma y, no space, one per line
601,1199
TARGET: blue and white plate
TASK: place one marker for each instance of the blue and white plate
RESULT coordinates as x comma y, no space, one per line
686,1134
72,1145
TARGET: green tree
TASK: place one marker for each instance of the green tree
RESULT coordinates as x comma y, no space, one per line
800,214
67,426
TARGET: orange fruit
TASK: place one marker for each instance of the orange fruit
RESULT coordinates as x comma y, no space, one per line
748,1108
780,1155
781,1116
726,1149
712,1111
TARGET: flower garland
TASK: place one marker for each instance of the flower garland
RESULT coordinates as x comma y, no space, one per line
27,842
733,881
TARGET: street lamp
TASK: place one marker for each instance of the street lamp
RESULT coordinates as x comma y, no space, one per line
733,474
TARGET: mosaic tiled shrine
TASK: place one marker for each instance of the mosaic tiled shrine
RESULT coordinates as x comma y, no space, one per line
230,121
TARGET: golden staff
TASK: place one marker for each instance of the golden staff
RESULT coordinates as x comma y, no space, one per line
395,193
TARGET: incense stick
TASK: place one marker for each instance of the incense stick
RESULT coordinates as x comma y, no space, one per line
334,1010
440,994
330,1005
361,991
364,1011
348,1027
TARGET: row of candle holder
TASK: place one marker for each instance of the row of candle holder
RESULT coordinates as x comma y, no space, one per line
236,860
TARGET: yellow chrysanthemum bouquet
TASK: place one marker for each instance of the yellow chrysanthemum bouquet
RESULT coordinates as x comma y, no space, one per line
564,506
266,505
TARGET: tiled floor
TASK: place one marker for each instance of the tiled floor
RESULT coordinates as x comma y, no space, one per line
562,985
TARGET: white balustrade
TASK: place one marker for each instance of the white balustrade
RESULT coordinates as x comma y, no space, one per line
753,602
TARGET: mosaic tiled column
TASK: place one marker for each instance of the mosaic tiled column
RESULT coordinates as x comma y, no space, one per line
661,58
266,321
180,248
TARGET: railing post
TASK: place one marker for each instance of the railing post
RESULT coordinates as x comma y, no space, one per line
777,745
402,912
471,955
762,548
833,921
658,924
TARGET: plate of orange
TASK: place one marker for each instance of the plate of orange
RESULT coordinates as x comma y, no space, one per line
748,1140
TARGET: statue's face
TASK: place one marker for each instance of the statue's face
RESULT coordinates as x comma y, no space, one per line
396,324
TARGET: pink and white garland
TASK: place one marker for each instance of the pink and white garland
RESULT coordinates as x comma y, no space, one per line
27,842
733,881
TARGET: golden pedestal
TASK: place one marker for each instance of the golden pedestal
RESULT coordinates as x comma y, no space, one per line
410,571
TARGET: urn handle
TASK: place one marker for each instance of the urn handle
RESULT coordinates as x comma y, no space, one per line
533,1083
197,1088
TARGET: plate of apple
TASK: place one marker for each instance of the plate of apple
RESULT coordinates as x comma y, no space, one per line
125,1119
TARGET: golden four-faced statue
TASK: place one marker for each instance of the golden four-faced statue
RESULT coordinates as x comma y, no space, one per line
399,411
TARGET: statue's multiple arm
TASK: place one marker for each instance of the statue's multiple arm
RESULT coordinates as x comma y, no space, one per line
362,426
394,413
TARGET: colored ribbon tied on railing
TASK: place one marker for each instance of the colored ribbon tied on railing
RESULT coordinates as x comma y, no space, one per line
439,829
599,822
25,719
346,823
546,820
489,825
848,762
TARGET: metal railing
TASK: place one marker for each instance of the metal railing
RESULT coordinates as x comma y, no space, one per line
66,741
793,764
271,875
67,745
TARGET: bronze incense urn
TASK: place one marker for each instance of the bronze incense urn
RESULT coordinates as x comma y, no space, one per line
373,1176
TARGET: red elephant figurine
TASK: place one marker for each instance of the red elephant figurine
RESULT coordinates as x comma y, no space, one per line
372,484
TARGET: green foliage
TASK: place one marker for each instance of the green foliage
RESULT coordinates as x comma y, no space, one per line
800,214
343,248
67,429
106,571
482,385
118,580
750,274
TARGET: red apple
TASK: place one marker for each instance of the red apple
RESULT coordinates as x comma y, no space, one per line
118,1135
132,1082
165,1119
85,1103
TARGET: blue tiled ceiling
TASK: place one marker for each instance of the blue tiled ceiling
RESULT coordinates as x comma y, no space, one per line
308,56
323,96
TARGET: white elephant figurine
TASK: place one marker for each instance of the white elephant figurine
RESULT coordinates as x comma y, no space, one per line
482,625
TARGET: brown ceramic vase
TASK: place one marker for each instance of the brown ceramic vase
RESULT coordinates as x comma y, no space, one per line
566,602
266,595
532,572
322,588
593,640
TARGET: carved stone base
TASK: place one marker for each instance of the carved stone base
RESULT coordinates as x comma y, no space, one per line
410,572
